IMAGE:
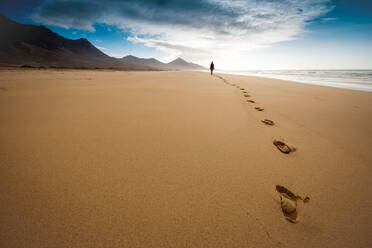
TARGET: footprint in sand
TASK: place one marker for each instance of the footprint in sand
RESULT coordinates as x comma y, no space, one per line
247,95
258,109
251,101
224,80
241,88
289,203
268,122
245,92
283,147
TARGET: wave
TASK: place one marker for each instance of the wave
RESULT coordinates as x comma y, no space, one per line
347,79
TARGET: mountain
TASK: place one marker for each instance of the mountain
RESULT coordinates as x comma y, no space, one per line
38,46
141,61
177,64
184,65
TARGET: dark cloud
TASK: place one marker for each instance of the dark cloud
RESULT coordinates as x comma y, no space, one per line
81,14
217,16
77,14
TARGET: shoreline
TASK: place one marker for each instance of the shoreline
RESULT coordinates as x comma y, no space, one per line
329,83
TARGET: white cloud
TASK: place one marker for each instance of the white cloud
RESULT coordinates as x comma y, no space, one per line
100,47
197,30
257,25
329,19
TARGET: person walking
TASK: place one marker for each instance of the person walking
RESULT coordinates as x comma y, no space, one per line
212,68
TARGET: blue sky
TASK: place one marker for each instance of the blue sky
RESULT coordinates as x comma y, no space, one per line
237,35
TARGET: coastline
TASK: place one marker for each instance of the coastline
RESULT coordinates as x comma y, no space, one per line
302,76
172,158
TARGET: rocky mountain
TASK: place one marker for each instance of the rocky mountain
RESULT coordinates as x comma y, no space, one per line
142,61
177,64
181,64
37,46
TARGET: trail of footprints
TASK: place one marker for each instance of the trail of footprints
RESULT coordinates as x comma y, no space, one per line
288,200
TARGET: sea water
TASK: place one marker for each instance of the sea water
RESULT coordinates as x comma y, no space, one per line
348,79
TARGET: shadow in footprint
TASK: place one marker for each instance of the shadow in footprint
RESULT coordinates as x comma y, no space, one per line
251,101
268,122
289,203
283,147
258,109
247,95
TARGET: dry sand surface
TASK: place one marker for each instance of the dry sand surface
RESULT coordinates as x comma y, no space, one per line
181,159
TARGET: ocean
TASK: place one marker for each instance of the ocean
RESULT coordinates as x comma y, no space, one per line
347,79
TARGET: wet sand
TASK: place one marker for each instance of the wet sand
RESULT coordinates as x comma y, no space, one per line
181,159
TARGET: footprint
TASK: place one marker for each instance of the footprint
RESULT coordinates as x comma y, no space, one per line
245,92
283,147
247,95
268,122
241,88
224,80
258,108
289,202
251,101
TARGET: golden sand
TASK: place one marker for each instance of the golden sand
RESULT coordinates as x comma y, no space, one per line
181,159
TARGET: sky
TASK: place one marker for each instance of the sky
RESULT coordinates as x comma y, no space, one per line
235,34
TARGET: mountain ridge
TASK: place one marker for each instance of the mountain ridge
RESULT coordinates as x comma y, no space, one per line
177,64
28,45
38,46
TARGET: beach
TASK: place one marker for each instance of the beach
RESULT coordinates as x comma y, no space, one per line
100,158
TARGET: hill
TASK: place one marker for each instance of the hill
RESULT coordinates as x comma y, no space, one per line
177,64
181,64
37,46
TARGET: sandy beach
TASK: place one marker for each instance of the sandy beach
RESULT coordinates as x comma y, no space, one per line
181,159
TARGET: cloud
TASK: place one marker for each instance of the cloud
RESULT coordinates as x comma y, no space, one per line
195,29
327,19
69,14
100,47
172,48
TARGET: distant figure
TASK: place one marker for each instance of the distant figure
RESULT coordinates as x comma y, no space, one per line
212,68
